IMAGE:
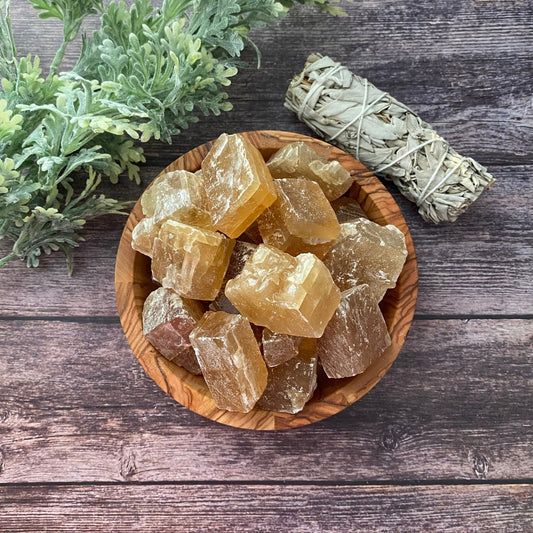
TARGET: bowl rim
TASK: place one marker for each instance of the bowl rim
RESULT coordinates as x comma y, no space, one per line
329,398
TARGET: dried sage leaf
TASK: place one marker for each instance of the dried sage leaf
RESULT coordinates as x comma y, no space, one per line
387,137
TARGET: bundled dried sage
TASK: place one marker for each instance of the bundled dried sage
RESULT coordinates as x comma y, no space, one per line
387,137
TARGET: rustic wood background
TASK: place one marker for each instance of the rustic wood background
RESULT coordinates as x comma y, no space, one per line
89,443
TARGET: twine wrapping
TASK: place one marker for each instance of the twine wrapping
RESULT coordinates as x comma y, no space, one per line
387,137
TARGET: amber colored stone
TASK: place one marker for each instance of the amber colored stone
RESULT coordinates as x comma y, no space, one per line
278,347
300,220
143,235
291,295
167,321
347,209
230,360
299,160
238,184
356,335
190,261
366,252
291,384
180,195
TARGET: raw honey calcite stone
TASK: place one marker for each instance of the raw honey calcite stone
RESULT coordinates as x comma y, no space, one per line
167,321
299,160
300,220
366,252
190,261
180,195
291,295
238,184
278,347
143,235
347,209
291,384
230,360
356,335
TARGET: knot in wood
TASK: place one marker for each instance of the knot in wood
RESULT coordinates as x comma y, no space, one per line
480,465
391,437
128,468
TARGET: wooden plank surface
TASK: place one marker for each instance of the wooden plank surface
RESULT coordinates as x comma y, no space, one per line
443,442
265,508
444,411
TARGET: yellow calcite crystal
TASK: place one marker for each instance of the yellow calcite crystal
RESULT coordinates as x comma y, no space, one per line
291,295
299,160
291,384
238,184
300,220
143,235
279,348
356,335
366,252
168,320
180,195
230,360
190,261
347,209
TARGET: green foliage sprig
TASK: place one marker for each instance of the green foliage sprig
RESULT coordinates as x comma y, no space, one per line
145,73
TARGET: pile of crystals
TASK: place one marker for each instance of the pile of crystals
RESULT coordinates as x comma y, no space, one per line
266,271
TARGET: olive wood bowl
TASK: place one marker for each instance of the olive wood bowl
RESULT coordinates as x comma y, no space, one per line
133,283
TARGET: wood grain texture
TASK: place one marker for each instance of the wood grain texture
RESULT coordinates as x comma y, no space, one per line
133,283
456,404
267,509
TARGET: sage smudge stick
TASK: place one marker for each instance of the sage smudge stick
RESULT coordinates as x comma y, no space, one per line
387,137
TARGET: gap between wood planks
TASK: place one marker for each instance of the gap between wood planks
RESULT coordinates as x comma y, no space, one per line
284,483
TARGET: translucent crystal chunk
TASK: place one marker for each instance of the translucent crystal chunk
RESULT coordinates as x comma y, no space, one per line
366,252
180,195
230,360
347,209
299,160
238,184
356,335
190,261
278,347
291,295
143,236
300,220
167,321
291,384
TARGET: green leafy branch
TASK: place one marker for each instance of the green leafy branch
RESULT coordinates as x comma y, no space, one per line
145,73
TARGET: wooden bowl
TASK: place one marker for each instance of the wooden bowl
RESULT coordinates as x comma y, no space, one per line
133,283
